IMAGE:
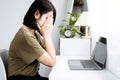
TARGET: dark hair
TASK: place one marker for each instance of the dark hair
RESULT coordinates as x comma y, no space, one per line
43,6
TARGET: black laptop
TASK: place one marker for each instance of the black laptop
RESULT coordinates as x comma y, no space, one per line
97,61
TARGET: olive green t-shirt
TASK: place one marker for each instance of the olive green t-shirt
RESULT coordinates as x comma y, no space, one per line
24,51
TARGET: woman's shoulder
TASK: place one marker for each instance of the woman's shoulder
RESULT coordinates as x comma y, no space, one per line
26,33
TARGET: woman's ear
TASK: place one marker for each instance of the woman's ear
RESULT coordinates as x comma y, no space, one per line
37,15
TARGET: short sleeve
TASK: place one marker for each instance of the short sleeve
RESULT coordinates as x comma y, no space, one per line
31,50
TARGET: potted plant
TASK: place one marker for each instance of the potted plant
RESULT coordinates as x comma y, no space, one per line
69,30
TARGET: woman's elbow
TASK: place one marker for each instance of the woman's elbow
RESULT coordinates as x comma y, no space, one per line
53,63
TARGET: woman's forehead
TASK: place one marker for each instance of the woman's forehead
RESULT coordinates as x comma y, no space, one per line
48,13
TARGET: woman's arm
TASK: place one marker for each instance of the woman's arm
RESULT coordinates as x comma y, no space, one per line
49,57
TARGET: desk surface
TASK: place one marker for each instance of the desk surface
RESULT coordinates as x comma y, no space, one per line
62,72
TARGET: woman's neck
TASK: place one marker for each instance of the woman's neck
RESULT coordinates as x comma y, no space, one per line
28,29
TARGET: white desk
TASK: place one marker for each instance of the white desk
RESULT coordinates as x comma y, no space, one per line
62,72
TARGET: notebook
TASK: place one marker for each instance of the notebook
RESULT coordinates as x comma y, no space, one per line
96,62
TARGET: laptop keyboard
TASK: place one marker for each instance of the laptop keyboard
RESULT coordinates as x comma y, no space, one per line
88,64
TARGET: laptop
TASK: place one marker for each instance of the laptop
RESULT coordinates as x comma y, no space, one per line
97,60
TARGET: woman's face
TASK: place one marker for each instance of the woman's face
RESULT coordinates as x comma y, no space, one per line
44,17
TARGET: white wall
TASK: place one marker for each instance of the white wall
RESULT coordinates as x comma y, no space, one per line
98,28
11,18
105,15
113,24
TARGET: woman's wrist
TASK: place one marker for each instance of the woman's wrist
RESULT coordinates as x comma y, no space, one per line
47,36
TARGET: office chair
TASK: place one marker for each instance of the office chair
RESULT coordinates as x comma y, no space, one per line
4,58
2,70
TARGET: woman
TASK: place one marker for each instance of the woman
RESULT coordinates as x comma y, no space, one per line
32,43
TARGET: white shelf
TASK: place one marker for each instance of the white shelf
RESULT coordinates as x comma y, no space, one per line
75,47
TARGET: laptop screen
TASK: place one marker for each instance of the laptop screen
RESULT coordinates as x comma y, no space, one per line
100,54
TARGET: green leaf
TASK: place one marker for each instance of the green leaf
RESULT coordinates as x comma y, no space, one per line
62,32
60,26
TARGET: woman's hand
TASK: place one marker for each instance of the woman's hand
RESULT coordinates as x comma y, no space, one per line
47,26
